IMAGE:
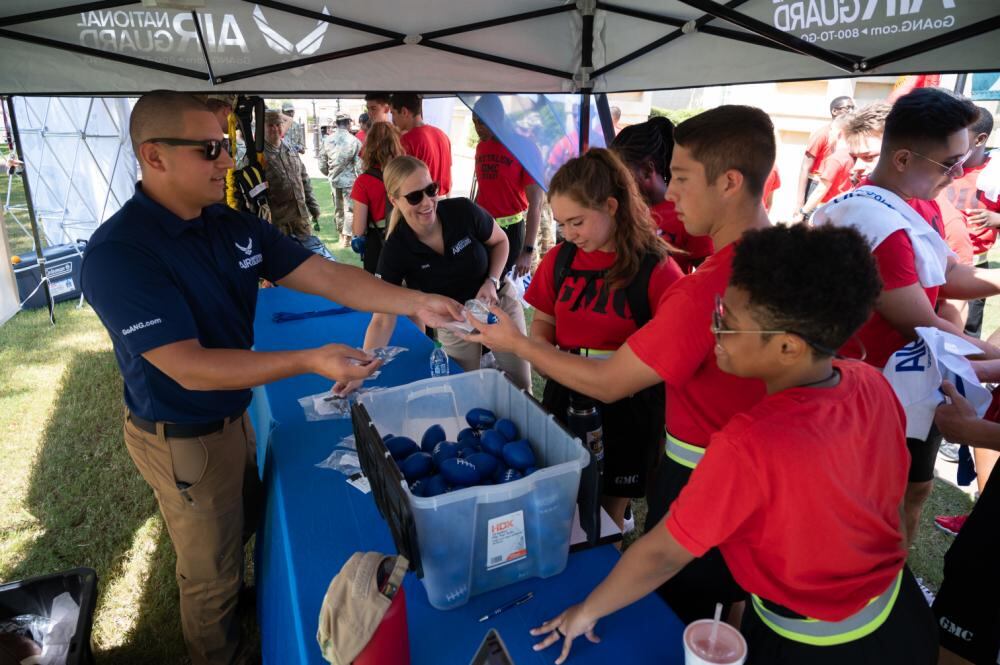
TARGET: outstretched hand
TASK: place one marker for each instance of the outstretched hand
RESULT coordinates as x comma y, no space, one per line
571,624
501,336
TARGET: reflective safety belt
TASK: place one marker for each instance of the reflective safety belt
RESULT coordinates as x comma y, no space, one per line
684,454
510,220
862,623
596,353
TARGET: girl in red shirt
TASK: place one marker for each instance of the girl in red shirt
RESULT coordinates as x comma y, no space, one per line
382,145
646,149
594,290
785,489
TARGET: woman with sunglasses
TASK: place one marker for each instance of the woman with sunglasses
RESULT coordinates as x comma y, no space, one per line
382,145
646,149
591,292
450,247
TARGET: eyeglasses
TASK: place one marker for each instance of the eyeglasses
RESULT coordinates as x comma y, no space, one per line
211,148
950,171
414,198
849,107
719,329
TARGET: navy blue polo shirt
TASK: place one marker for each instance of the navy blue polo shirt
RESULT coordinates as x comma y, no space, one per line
154,279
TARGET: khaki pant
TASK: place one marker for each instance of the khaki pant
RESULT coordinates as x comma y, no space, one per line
209,522
467,354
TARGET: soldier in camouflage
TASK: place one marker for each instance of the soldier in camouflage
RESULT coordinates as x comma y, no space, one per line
289,190
295,137
340,161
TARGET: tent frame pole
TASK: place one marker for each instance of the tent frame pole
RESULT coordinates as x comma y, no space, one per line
63,11
586,65
42,272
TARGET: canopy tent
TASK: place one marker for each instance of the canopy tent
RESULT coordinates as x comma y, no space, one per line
323,47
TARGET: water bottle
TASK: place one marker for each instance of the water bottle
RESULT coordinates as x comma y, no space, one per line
439,361
584,420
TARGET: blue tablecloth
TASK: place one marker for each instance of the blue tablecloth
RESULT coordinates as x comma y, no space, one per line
314,521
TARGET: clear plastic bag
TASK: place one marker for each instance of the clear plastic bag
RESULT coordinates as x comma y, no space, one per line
327,406
384,353
52,634
344,461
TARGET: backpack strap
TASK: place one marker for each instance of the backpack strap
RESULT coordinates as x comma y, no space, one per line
637,292
564,259
377,174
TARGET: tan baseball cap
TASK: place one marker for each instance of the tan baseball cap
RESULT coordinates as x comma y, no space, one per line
354,606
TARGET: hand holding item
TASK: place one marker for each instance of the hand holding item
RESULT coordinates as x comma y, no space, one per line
343,363
501,336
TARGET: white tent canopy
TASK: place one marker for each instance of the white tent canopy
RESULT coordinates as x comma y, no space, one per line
325,47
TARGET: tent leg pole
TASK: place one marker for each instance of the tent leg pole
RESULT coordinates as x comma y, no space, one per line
42,273
960,84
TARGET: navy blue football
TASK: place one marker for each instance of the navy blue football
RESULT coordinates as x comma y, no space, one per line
433,436
493,442
460,472
401,447
481,418
444,450
519,454
510,475
507,428
416,466
485,464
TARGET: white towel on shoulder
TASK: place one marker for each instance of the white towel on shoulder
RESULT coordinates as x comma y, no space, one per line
878,213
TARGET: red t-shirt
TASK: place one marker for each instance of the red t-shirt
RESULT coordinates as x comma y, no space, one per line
672,230
602,318
801,495
897,268
819,147
963,195
361,135
771,185
957,230
433,147
501,180
678,344
370,191
836,170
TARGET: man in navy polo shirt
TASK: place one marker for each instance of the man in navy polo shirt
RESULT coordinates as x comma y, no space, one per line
174,278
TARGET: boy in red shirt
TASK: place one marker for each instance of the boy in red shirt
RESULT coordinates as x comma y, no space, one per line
924,146
720,161
785,490
507,190
820,145
834,175
425,142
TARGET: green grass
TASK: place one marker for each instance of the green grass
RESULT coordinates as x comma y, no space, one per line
72,497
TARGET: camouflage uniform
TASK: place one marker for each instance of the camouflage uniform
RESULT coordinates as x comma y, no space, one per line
295,138
289,192
340,161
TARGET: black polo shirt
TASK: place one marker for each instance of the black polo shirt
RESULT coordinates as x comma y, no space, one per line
154,278
463,268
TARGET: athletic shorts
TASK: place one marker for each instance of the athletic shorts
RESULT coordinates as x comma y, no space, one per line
906,638
923,454
693,592
966,607
633,436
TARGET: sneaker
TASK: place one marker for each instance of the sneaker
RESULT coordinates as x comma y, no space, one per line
928,594
628,524
950,524
949,452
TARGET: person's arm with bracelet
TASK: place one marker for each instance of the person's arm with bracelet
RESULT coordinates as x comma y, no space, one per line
814,201
356,289
359,223
533,218
497,247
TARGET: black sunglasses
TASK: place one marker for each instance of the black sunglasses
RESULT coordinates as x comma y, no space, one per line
414,198
212,148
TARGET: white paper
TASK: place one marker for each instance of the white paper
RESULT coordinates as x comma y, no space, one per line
505,542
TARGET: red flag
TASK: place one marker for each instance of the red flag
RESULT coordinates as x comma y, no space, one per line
907,84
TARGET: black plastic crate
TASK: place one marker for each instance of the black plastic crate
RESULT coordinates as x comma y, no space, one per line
35,595
386,483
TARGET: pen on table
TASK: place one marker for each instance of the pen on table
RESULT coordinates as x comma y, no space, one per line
503,608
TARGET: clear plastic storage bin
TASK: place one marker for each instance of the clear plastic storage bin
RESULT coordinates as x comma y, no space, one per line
481,538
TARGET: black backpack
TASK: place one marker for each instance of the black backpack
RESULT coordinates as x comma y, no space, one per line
636,293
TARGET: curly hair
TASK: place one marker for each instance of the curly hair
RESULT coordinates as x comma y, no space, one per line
651,141
590,180
382,145
820,282
867,121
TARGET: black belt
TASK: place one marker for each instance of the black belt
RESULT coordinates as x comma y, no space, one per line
183,430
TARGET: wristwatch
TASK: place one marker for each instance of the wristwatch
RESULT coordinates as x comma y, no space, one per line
528,249
496,282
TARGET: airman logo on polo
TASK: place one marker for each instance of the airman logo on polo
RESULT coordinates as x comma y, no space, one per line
425,266
460,245
246,250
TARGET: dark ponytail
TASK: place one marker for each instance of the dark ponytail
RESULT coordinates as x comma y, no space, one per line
651,141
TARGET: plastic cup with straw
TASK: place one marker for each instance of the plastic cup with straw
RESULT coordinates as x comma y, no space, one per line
713,642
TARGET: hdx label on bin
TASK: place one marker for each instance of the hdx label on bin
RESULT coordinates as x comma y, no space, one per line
505,541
